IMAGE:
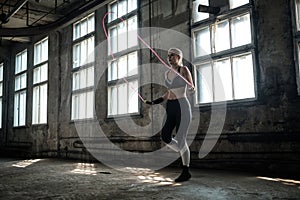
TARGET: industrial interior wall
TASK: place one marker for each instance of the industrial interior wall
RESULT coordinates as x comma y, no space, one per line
262,132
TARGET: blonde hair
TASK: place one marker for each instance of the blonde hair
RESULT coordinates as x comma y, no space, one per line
177,52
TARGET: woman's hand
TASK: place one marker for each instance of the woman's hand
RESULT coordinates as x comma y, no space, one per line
148,102
191,91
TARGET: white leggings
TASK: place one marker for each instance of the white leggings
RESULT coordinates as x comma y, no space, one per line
178,116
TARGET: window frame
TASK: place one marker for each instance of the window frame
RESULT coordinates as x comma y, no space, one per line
229,15
116,55
75,69
296,40
20,91
2,92
40,83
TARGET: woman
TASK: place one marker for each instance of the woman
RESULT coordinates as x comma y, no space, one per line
178,110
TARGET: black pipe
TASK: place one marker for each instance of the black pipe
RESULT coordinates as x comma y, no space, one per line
208,9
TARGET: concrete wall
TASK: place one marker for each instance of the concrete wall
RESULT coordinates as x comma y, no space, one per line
261,133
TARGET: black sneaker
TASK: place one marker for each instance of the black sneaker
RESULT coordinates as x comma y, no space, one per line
184,176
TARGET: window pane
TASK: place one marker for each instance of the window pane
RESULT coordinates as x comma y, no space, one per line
75,81
298,14
132,64
43,103
35,105
237,3
76,55
1,89
122,67
114,98
91,24
20,82
132,5
222,38
133,100
17,83
83,28
90,49
44,72
109,99
113,46
36,75
109,71
23,81
122,8
298,58
122,36
83,52
132,32
76,31
82,106
44,50
75,104
0,112
222,80
113,9
22,109
122,99
241,30
202,42
82,78
114,70
90,76
1,72
18,64
24,61
198,16
37,53
243,77
204,83
90,104
16,110
21,62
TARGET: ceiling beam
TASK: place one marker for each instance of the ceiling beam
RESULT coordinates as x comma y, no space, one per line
17,7
62,22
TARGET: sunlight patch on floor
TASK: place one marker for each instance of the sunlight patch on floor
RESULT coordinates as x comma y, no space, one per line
290,182
146,175
26,163
85,168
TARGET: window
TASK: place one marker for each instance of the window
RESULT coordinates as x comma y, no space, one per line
20,89
296,20
226,79
123,35
1,92
83,68
123,69
223,56
120,8
40,85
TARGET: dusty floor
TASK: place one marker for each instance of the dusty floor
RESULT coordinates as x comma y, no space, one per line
60,179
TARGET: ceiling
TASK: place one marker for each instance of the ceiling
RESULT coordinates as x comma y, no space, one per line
20,19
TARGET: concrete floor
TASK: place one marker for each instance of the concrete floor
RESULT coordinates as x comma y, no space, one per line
65,179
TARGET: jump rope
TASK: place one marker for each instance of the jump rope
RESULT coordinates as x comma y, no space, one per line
148,46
